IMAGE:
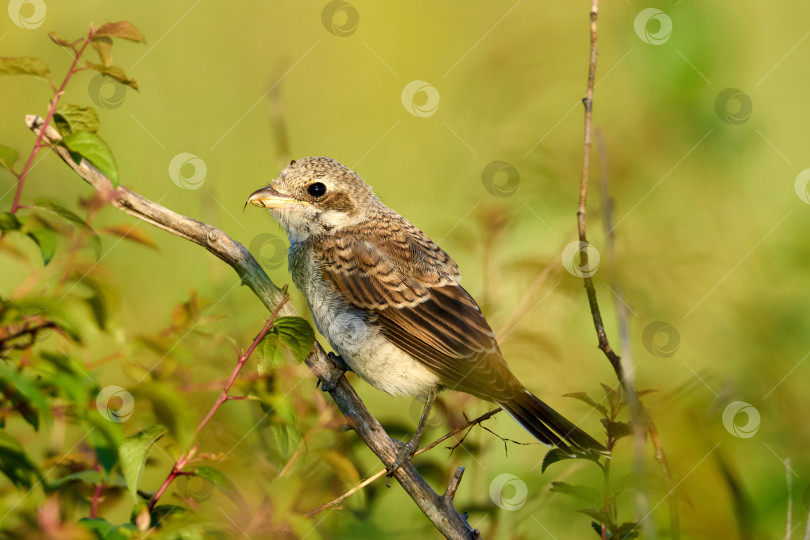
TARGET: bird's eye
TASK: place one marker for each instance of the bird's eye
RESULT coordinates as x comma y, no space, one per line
317,189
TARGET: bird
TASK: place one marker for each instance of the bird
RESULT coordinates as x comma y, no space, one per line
390,303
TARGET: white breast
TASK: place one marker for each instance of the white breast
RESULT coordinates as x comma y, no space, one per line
361,345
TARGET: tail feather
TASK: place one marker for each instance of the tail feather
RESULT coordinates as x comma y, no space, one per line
547,425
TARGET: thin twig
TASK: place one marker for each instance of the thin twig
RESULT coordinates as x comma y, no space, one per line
444,517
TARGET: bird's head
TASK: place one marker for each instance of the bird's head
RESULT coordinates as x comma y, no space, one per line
315,196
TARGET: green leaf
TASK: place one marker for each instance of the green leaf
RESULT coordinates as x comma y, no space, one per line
169,407
56,207
7,157
614,398
116,73
14,462
221,482
553,456
617,430
583,493
133,453
585,398
24,394
104,530
105,438
24,66
290,336
599,515
9,222
121,29
103,46
93,149
46,240
76,119
88,476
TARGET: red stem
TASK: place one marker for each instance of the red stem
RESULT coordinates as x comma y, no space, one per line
51,110
183,460
96,496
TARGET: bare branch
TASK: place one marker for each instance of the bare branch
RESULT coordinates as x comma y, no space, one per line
443,516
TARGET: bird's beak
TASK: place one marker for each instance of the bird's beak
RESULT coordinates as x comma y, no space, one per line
267,197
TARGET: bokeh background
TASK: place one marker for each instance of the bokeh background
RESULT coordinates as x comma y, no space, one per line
466,118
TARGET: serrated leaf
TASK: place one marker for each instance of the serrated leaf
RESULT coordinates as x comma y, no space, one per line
24,394
553,456
91,147
24,66
290,336
585,398
7,157
46,240
133,452
617,430
77,118
9,222
614,398
103,46
583,493
15,463
121,29
133,233
59,41
116,73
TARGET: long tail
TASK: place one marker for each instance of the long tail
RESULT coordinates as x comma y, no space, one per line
547,425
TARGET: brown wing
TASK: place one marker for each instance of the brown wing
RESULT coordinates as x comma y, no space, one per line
412,286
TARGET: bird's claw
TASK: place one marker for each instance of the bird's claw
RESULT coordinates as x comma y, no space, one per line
405,452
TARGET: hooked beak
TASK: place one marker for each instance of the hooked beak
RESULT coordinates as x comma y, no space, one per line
267,197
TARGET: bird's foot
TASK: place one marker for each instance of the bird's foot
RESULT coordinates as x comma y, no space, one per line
339,363
405,452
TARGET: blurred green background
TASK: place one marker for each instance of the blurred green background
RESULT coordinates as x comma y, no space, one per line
708,213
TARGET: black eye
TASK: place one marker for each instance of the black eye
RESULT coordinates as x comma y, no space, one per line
317,189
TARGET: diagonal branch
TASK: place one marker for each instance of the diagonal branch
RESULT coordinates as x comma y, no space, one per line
437,508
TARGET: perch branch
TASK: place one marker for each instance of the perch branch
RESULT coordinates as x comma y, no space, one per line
638,411
444,516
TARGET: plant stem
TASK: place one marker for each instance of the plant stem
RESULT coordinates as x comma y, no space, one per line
184,459
51,110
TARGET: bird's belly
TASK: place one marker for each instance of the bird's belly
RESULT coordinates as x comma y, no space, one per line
360,343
